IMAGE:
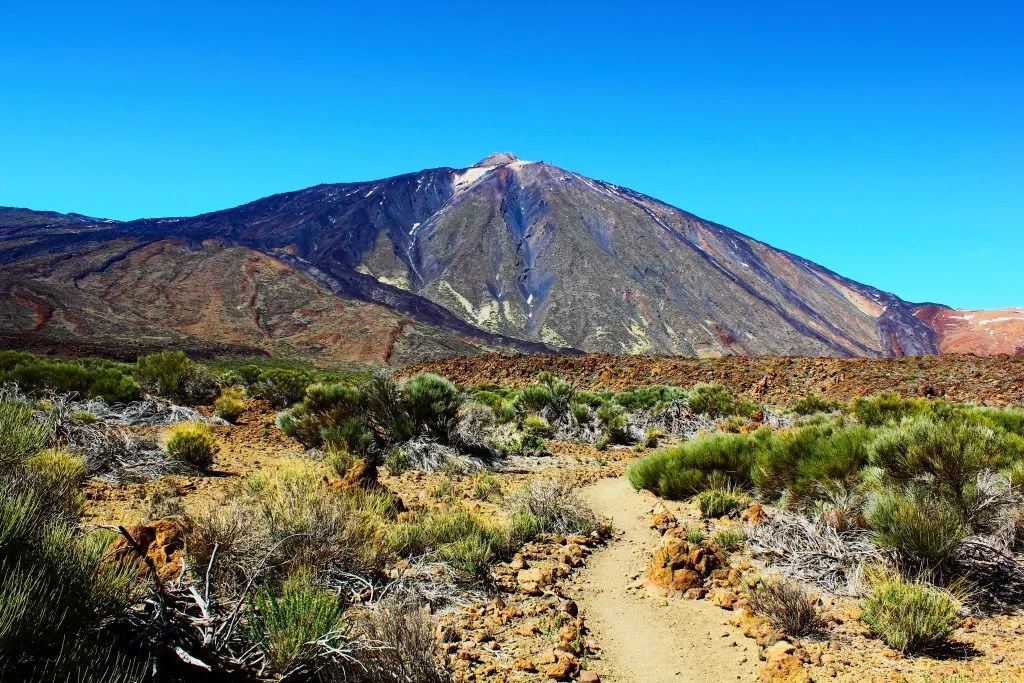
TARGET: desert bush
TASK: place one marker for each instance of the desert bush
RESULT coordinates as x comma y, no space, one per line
730,540
474,426
612,420
536,424
511,440
560,396
229,404
288,627
910,616
554,506
458,538
786,605
281,387
88,378
711,399
646,397
175,375
921,528
814,403
694,466
888,406
533,398
695,534
505,412
488,398
432,403
652,435
192,444
580,413
407,649
808,460
320,528
717,503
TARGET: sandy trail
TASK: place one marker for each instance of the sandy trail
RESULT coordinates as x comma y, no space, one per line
644,637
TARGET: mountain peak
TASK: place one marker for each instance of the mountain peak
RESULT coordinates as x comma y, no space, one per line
496,159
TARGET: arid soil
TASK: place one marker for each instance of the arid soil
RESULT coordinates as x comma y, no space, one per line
995,380
588,608
644,635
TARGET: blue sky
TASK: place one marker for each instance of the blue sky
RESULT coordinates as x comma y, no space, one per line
882,140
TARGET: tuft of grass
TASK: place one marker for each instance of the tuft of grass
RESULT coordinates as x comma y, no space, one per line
21,434
442,490
288,626
230,404
537,425
191,443
695,534
730,540
910,616
487,488
717,503
786,605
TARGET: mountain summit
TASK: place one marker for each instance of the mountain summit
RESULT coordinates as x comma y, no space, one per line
501,255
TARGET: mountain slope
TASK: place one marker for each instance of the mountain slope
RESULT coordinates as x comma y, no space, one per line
528,256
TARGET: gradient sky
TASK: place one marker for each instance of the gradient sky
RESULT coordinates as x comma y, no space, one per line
884,141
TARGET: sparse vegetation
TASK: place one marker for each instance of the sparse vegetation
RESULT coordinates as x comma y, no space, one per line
175,375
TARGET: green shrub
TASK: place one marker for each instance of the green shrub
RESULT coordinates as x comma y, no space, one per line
920,527
910,616
458,538
21,434
786,605
813,403
888,406
88,378
281,387
716,503
652,435
535,424
175,375
807,460
612,419
513,441
711,399
707,462
580,413
647,397
286,627
532,399
191,443
695,534
561,395
230,404
432,403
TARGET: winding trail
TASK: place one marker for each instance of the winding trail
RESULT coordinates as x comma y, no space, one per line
644,637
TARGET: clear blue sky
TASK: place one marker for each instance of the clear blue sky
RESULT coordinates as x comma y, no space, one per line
884,141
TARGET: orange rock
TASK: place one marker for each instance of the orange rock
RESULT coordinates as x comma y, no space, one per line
161,541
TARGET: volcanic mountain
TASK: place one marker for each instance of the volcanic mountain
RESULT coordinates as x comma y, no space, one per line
505,255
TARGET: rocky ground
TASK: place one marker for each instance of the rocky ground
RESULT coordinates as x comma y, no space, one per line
995,380
641,603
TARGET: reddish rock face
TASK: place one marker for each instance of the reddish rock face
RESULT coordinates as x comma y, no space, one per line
984,332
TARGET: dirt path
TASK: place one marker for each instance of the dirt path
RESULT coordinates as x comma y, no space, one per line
644,637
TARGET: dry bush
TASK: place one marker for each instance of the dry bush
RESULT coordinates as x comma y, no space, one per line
554,507
398,645
786,605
